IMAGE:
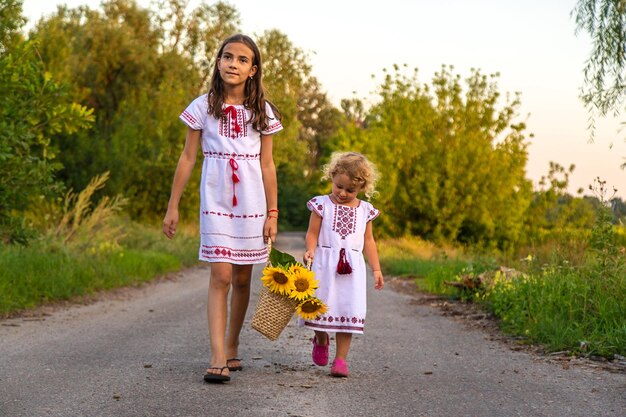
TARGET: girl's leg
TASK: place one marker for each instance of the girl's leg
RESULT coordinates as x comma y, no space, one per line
321,338
340,367
343,345
239,301
319,354
219,285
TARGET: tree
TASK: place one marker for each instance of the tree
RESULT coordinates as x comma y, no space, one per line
452,163
196,34
556,219
33,108
604,87
308,117
12,21
138,70
605,22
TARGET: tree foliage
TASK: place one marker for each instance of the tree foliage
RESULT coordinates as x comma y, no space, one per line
556,219
308,117
11,20
33,108
605,22
452,153
138,69
452,163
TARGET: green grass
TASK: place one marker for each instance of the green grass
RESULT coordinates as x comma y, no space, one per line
564,309
429,274
427,263
47,271
564,306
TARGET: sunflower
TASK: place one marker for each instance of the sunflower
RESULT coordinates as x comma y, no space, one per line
304,282
311,308
278,280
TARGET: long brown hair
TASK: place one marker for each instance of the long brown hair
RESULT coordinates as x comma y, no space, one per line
254,92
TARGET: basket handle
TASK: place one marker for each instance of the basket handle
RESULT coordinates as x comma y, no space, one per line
269,251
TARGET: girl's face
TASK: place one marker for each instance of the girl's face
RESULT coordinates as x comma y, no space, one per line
344,189
236,64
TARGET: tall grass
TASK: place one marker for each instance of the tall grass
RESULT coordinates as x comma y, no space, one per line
576,305
84,248
564,309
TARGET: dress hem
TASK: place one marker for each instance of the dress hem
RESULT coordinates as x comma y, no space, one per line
334,328
230,261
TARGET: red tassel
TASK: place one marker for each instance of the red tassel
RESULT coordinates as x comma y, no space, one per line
343,266
233,115
234,166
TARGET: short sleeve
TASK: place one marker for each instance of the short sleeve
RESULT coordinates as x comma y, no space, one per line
273,124
195,114
372,212
316,205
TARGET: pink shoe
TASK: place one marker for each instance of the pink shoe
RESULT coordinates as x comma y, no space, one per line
320,352
339,368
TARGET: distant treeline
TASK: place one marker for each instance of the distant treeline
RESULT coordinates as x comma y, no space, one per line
88,91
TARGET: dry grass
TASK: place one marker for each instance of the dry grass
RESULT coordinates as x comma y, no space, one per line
79,221
414,247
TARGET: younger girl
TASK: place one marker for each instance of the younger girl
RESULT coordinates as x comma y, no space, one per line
238,193
340,228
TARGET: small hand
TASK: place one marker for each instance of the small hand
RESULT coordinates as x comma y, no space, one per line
308,257
379,281
270,229
170,221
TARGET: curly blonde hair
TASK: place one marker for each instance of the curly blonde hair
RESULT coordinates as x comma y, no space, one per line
361,170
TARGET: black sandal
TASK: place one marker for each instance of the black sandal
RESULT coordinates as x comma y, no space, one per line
210,377
234,368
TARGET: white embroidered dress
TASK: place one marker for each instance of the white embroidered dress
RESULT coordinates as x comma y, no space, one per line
342,227
233,208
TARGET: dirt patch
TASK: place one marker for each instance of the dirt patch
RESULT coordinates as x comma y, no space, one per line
476,317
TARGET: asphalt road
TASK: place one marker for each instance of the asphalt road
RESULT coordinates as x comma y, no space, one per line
143,353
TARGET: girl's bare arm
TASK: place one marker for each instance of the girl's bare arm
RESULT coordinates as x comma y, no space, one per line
184,168
371,253
312,235
270,184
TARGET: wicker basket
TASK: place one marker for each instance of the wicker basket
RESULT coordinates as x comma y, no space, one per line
273,312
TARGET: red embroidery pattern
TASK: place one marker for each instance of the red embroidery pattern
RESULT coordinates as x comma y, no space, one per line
373,214
318,208
224,155
222,252
272,128
189,118
233,215
344,220
337,323
226,126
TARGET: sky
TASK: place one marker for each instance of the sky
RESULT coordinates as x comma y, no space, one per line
532,44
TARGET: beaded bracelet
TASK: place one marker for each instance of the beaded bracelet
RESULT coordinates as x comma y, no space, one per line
272,217
273,211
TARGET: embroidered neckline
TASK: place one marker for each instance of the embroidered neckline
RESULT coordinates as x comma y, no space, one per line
343,205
